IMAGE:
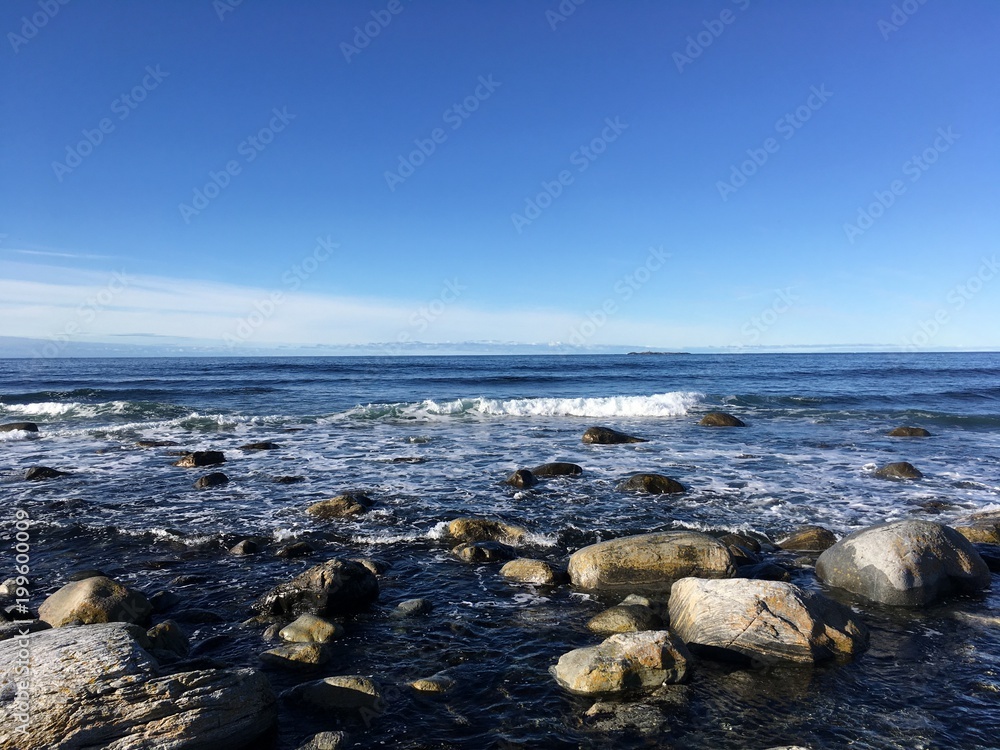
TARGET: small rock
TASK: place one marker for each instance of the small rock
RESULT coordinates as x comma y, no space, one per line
22,426
412,608
558,469
297,656
340,693
898,470
981,533
484,552
215,479
38,473
168,636
623,663
764,571
262,446
721,419
607,436
155,443
522,479
161,601
438,683
246,547
341,506
654,484
538,572
201,458
296,549
335,587
326,741
311,629
485,530
809,539
95,600
378,567
625,618
909,432
288,480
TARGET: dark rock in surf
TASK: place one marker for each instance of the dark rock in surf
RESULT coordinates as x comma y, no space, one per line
201,458
653,484
558,469
484,552
342,506
155,443
296,549
485,530
908,432
990,554
808,539
332,588
265,445
288,480
522,479
607,436
215,479
245,547
20,426
40,473
83,575
764,571
721,419
898,470
412,608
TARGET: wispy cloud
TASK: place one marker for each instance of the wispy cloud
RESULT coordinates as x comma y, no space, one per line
57,254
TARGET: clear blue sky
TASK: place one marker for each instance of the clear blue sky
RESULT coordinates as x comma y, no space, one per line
438,256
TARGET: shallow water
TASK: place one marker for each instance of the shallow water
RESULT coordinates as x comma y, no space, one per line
433,438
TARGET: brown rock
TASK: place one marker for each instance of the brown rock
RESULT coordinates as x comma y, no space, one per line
653,484
721,419
201,458
809,539
909,432
485,530
538,572
626,662
95,600
898,470
342,506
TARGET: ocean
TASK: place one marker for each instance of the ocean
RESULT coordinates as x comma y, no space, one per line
433,438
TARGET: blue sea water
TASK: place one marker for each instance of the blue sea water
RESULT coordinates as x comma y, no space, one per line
432,438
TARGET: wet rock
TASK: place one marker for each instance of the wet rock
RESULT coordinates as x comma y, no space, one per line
650,561
155,443
294,550
522,479
215,479
377,567
97,687
39,473
18,628
981,531
245,547
334,587
557,469
83,575
538,572
721,419
908,432
764,571
607,436
198,615
741,540
311,629
654,484
904,563
991,555
326,741
767,621
288,479
95,600
484,552
808,539
642,719
412,608
624,663
437,683
625,618
300,657
485,530
168,636
898,470
342,506
340,693
161,601
201,458
261,446
21,426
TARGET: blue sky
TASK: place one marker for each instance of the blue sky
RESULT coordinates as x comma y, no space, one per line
726,174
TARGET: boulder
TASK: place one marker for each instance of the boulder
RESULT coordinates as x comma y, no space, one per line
558,469
97,687
201,458
311,629
908,432
650,561
288,479
334,587
38,473
215,479
168,636
299,657
437,683
623,663
767,621
412,608
326,741
721,419
898,470
485,530
262,446
342,506
294,550
245,547
21,426
539,572
95,600
904,563
522,479
808,539
607,436
340,693
625,618
654,484
484,552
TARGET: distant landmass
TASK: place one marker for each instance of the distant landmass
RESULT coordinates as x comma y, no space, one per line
657,354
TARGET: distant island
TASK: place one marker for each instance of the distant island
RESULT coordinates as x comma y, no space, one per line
657,354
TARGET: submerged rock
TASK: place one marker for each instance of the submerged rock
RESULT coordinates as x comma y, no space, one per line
904,563
522,479
97,686
215,479
155,443
908,432
654,484
326,741
201,458
558,469
245,547
485,530
412,608
297,656
484,552
21,426
340,693
607,436
38,473
808,539
294,550
721,419
767,621
437,683
898,470
625,618
95,600
342,506
167,636
261,446
335,587
650,561
526,570
624,663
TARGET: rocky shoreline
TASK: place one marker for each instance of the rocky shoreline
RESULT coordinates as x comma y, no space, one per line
114,666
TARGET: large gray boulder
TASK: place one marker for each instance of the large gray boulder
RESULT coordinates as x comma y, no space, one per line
95,600
626,662
334,587
96,686
904,563
768,621
650,562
